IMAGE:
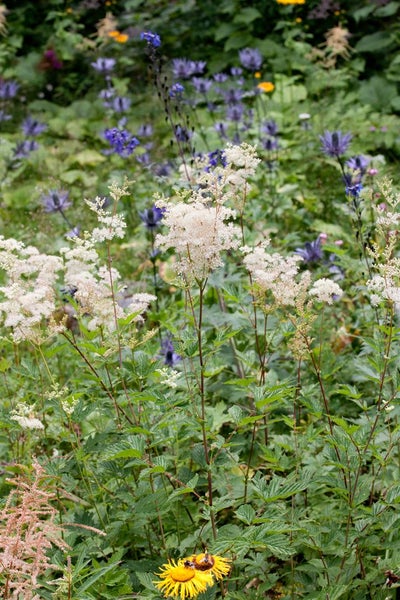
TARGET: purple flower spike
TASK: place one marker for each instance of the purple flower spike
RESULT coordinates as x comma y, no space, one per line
153,39
151,217
335,143
122,142
168,353
250,58
56,201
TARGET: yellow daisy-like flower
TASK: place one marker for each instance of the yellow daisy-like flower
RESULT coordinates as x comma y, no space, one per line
210,563
118,36
291,1
181,579
266,86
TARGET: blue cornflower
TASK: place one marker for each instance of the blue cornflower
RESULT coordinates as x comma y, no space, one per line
335,143
104,65
151,217
202,85
56,201
122,142
312,251
176,90
107,94
8,89
152,39
236,71
358,163
250,58
168,353
23,149
31,127
73,233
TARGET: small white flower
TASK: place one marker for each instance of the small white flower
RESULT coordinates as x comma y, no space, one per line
325,290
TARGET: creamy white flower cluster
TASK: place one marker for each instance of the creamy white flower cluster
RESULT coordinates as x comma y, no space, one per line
29,295
229,183
199,234
23,415
280,276
28,299
385,285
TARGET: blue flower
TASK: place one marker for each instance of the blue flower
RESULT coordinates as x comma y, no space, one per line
145,130
335,143
233,95
168,353
152,39
215,158
312,251
151,217
358,163
23,149
202,85
122,142
182,134
183,68
235,112
250,58
31,127
4,116
120,104
104,65
176,90
270,127
8,89
56,201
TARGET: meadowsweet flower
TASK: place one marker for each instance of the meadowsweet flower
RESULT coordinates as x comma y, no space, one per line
250,58
27,298
326,290
122,142
205,562
152,39
335,143
104,65
275,274
29,422
152,217
112,225
199,234
56,201
182,581
31,127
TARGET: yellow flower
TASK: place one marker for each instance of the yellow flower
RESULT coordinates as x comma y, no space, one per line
210,563
291,1
266,86
118,36
257,75
181,579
